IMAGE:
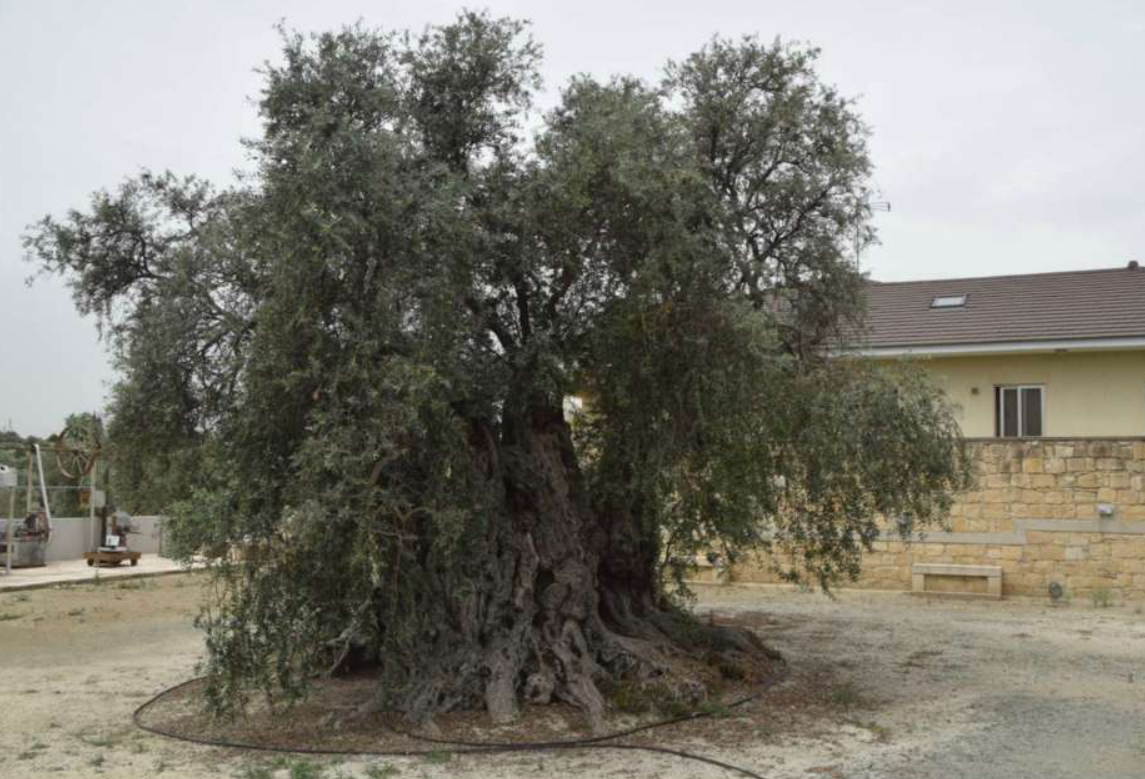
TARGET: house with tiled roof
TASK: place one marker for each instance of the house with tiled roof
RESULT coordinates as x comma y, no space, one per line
1036,355
1047,375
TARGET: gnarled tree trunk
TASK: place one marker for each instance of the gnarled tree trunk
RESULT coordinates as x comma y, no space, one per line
571,599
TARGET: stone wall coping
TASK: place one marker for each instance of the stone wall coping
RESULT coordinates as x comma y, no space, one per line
1081,526
947,537
1049,439
1018,536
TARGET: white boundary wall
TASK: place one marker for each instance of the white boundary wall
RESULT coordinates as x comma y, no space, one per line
72,536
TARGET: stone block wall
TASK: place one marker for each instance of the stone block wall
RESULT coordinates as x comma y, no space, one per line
1045,510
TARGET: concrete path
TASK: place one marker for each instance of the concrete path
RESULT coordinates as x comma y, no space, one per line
78,571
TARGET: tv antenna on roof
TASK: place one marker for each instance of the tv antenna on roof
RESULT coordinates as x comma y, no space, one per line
873,205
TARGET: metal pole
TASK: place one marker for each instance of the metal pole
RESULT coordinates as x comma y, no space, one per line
29,508
94,535
11,522
44,491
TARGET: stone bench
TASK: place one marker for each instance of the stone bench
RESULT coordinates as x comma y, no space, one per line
704,571
992,574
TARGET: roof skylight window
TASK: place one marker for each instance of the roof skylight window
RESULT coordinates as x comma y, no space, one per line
948,301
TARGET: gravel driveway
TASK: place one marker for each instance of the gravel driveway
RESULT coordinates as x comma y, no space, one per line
923,690
979,689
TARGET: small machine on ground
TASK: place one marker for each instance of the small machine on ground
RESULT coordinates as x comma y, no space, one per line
114,529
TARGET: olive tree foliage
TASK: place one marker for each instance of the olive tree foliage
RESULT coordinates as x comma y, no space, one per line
348,374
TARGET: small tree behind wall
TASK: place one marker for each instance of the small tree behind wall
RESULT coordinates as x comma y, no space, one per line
354,365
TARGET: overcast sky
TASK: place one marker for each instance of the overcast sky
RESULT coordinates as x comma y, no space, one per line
1009,137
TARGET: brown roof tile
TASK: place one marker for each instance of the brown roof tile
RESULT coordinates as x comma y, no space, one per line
1033,307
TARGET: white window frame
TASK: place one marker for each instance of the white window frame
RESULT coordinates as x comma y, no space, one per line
1000,411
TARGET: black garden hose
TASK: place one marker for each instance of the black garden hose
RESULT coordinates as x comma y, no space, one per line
462,747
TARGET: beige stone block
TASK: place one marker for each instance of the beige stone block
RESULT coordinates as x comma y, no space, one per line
1124,550
1032,465
1120,480
1107,495
1108,464
1106,569
1081,583
1055,465
1034,584
1080,464
1101,448
1133,565
1024,511
996,511
1087,481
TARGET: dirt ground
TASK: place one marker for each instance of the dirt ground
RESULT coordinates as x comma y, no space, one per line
916,689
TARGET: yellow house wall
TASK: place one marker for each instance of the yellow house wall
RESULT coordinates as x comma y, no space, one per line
1086,393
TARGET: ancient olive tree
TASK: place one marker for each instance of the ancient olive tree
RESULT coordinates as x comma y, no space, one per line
351,374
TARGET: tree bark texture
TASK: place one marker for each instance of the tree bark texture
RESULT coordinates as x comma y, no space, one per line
570,602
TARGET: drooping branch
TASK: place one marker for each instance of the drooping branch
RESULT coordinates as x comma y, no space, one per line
354,370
